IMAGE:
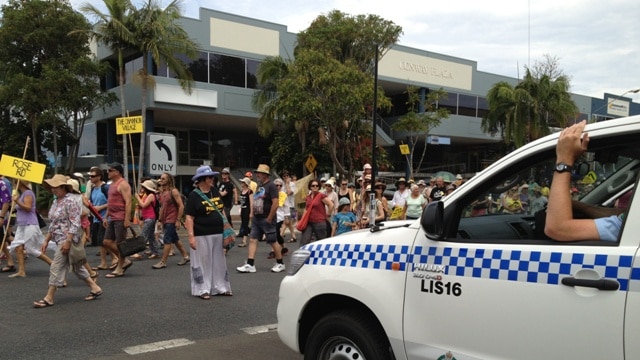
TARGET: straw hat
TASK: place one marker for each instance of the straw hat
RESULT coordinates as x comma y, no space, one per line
74,186
246,181
384,187
401,180
55,181
149,185
263,168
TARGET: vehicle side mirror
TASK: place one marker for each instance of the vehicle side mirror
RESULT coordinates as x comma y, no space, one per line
432,220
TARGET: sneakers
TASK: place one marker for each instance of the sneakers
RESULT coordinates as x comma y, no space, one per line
160,265
184,261
246,268
278,268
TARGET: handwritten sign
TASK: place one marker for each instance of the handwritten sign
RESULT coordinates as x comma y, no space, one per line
396,214
128,125
22,169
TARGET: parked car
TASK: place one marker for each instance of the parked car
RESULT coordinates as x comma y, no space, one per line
455,286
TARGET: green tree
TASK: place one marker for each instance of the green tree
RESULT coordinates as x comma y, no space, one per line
417,124
160,37
113,28
44,72
329,84
527,111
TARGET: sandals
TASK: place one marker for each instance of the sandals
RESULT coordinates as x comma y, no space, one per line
101,268
9,268
92,295
136,257
242,245
114,275
42,304
205,296
292,240
226,293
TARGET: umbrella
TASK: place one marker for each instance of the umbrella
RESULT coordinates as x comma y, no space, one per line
447,176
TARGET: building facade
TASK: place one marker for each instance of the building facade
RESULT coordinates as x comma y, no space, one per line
217,124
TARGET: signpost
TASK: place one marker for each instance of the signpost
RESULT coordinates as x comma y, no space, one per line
162,154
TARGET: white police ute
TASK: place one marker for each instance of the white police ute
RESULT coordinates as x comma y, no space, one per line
476,277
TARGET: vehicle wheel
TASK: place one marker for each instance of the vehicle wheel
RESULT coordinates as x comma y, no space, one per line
347,335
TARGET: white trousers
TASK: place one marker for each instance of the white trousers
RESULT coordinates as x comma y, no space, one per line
209,266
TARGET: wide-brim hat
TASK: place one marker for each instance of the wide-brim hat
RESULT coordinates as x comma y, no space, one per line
246,181
384,186
55,181
149,185
74,186
264,169
401,180
202,171
226,170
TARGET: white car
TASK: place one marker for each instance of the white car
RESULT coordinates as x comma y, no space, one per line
467,283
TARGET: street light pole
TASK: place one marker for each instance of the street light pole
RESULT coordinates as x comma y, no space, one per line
374,165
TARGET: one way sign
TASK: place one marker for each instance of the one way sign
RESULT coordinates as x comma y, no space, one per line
162,153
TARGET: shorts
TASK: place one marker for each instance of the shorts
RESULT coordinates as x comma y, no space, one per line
170,234
97,233
115,231
260,227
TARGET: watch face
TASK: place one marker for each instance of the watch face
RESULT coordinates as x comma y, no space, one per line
562,167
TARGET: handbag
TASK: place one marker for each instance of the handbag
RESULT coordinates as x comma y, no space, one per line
77,254
41,222
132,245
228,233
301,225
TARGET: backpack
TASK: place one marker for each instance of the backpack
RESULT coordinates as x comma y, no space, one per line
105,190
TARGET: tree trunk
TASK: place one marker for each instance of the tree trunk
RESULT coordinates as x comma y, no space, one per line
145,84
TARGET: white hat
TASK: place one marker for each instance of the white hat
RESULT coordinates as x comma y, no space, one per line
459,177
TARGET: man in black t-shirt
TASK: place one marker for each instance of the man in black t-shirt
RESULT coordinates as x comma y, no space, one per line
265,205
228,193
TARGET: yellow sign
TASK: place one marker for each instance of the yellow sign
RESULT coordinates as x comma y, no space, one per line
590,178
396,214
311,163
22,169
128,125
404,149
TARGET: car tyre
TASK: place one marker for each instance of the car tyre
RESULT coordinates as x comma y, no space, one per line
347,335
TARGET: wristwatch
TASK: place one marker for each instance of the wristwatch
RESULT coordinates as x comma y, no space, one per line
563,167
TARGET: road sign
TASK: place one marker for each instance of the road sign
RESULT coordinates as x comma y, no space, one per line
311,163
162,154
128,125
404,149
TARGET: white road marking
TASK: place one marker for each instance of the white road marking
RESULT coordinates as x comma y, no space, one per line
260,329
156,346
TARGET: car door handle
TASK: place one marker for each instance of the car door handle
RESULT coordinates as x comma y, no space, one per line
601,284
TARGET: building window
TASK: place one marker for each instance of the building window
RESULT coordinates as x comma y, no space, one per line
467,105
483,107
252,69
450,103
226,70
198,147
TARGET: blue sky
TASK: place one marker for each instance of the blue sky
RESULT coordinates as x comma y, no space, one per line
597,42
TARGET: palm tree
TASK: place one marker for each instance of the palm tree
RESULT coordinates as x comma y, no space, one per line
527,111
160,38
113,29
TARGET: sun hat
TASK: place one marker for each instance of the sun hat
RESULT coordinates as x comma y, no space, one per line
401,180
344,201
117,166
226,170
78,176
278,182
263,168
246,181
384,187
366,166
55,181
330,183
458,177
203,170
74,186
422,183
149,185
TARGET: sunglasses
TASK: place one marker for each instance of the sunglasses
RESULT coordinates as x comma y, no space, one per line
278,185
92,176
314,185
345,184
379,188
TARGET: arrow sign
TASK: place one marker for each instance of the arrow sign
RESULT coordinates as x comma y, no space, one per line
161,145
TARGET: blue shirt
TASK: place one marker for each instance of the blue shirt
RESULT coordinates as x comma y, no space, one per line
609,227
341,218
97,199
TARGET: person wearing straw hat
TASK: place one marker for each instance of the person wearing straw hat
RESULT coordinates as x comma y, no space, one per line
84,221
64,228
117,220
28,236
265,206
147,199
401,194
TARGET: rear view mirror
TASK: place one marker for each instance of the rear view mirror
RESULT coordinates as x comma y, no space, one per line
432,220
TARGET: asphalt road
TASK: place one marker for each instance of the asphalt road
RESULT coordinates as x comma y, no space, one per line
145,310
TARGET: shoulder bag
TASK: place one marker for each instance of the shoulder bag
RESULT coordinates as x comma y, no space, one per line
77,254
301,225
228,234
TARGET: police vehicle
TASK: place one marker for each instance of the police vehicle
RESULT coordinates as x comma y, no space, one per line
466,284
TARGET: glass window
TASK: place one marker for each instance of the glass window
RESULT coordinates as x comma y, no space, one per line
450,102
132,68
483,107
512,204
467,105
198,147
226,70
252,69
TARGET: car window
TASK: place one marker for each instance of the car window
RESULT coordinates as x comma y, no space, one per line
511,206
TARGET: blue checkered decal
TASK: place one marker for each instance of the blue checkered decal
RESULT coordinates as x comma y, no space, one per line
511,265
